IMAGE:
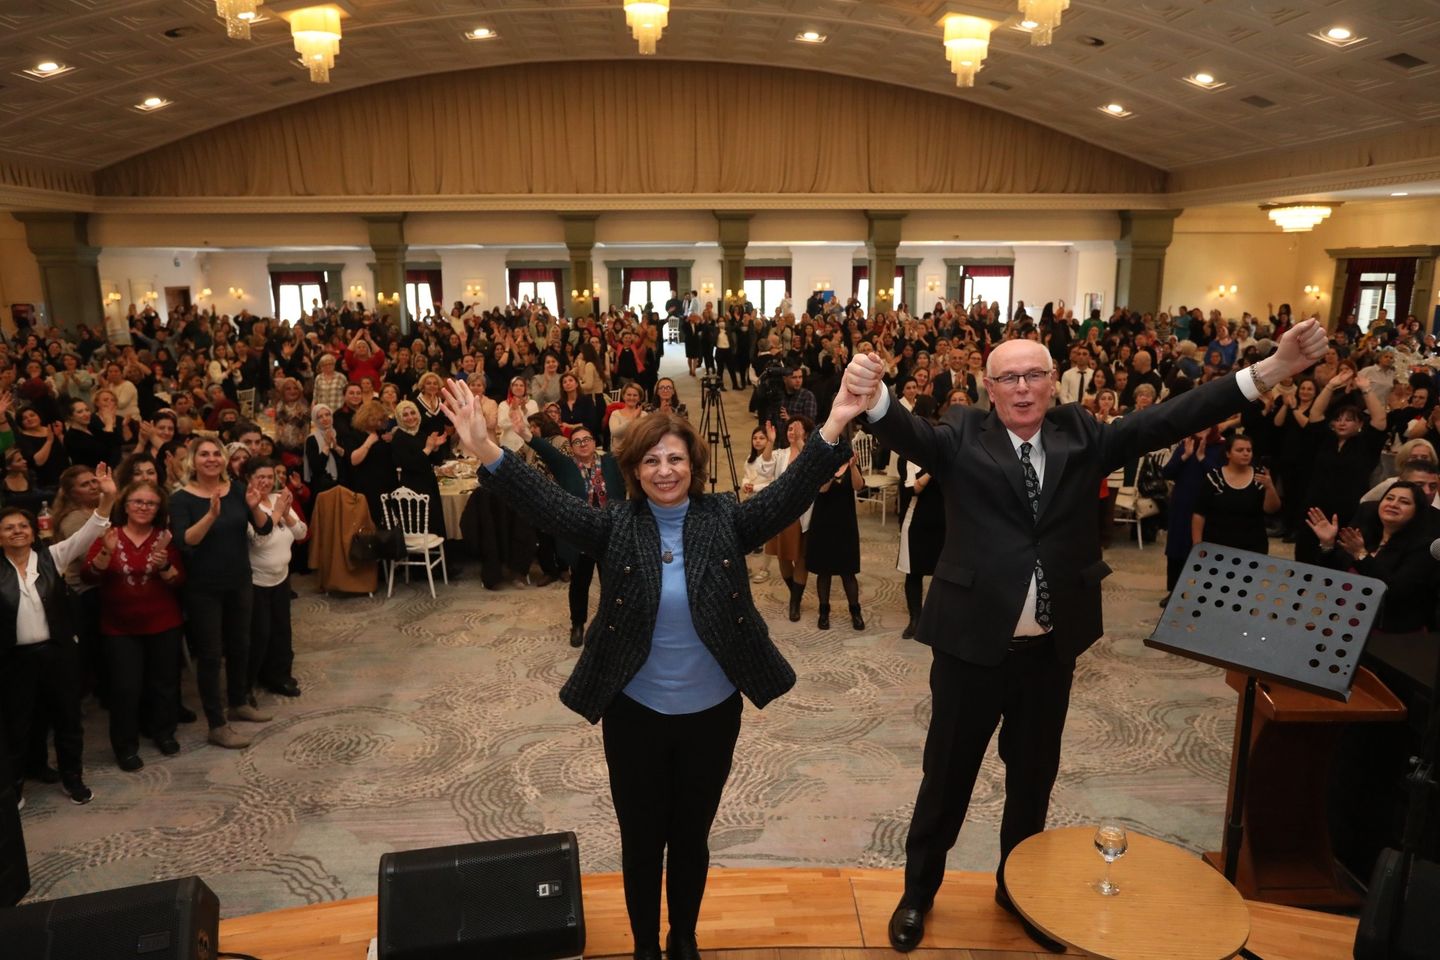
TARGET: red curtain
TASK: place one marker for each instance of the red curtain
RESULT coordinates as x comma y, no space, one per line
1402,267
769,273
988,271
541,275
432,277
286,278
857,274
650,275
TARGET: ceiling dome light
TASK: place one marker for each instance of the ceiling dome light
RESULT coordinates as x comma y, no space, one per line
1204,78
316,31
647,19
1046,16
1339,33
1114,108
49,66
967,44
152,102
1297,217
1028,24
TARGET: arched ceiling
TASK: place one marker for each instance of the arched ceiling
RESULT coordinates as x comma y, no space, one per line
123,51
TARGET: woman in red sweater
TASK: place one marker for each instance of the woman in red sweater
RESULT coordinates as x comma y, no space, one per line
138,570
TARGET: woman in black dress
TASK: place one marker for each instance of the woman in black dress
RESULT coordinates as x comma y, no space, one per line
42,445
833,545
1234,499
371,470
1347,449
411,451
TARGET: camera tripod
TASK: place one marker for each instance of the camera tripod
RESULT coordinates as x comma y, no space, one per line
715,431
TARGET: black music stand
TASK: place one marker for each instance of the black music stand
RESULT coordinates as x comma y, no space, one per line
1271,618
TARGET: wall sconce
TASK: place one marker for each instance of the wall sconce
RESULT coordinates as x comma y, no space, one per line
206,294
932,284
884,293
1223,291
389,301
823,285
357,291
474,290
735,296
707,288
113,296
238,293
1312,291
580,296
151,296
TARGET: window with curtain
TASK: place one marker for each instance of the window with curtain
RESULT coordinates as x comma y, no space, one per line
652,285
296,292
765,287
423,293
1373,284
538,285
990,283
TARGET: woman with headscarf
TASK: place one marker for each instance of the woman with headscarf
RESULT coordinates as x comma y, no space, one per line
324,457
411,451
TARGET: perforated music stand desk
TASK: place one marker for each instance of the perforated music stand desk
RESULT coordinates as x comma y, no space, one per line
1268,618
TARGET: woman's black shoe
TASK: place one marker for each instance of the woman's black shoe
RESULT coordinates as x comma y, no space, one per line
856,621
647,953
797,590
909,632
185,714
131,763
577,636
287,689
823,621
681,946
168,746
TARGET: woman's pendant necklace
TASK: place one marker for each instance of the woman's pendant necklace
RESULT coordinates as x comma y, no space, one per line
667,555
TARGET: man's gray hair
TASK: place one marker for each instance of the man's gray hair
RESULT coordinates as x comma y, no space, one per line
1049,360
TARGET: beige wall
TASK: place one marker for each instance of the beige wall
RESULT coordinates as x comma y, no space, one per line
19,273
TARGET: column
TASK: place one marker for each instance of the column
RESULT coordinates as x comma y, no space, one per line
881,245
387,241
580,242
1145,235
69,269
734,230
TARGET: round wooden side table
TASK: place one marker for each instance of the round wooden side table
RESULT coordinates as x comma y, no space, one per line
1171,905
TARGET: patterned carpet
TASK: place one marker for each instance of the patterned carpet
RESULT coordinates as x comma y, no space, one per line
427,722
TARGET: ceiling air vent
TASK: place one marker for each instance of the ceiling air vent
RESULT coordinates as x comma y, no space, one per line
1258,102
1001,85
1405,61
175,33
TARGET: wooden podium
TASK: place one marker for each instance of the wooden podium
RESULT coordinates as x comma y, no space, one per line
1285,856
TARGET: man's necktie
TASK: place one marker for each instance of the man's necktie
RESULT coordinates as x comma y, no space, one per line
1032,489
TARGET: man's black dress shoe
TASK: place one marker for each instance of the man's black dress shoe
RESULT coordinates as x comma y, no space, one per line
681,946
287,689
651,952
168,746
907,928
1031,931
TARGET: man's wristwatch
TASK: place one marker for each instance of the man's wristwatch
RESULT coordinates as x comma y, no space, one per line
1260,385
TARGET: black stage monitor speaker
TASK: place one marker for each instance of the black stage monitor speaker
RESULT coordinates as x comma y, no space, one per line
14,868
503,899
170,920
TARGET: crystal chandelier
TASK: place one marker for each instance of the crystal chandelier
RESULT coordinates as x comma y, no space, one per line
1298,217
646,19
238,14
1045,14
317,39
967,42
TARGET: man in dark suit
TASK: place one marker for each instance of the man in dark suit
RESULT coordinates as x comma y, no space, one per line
1021,570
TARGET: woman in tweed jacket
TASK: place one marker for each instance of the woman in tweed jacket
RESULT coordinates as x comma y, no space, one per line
677,638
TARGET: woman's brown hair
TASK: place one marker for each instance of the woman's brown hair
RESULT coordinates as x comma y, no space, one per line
370,417
648,431
118,516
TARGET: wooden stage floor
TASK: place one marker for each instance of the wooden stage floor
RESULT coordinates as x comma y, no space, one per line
782,914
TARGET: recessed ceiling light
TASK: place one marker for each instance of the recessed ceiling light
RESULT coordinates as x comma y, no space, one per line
480,33
810,36
1114,110
1204,78
1029,24
46,69
1338,36
1400,193
151,104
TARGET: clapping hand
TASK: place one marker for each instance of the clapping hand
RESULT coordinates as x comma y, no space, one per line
106,480
1352,541
1324,528
1342,379
159,551
435,441
253,495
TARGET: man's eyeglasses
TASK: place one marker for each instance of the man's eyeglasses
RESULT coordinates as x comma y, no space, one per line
1032,377
574,440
